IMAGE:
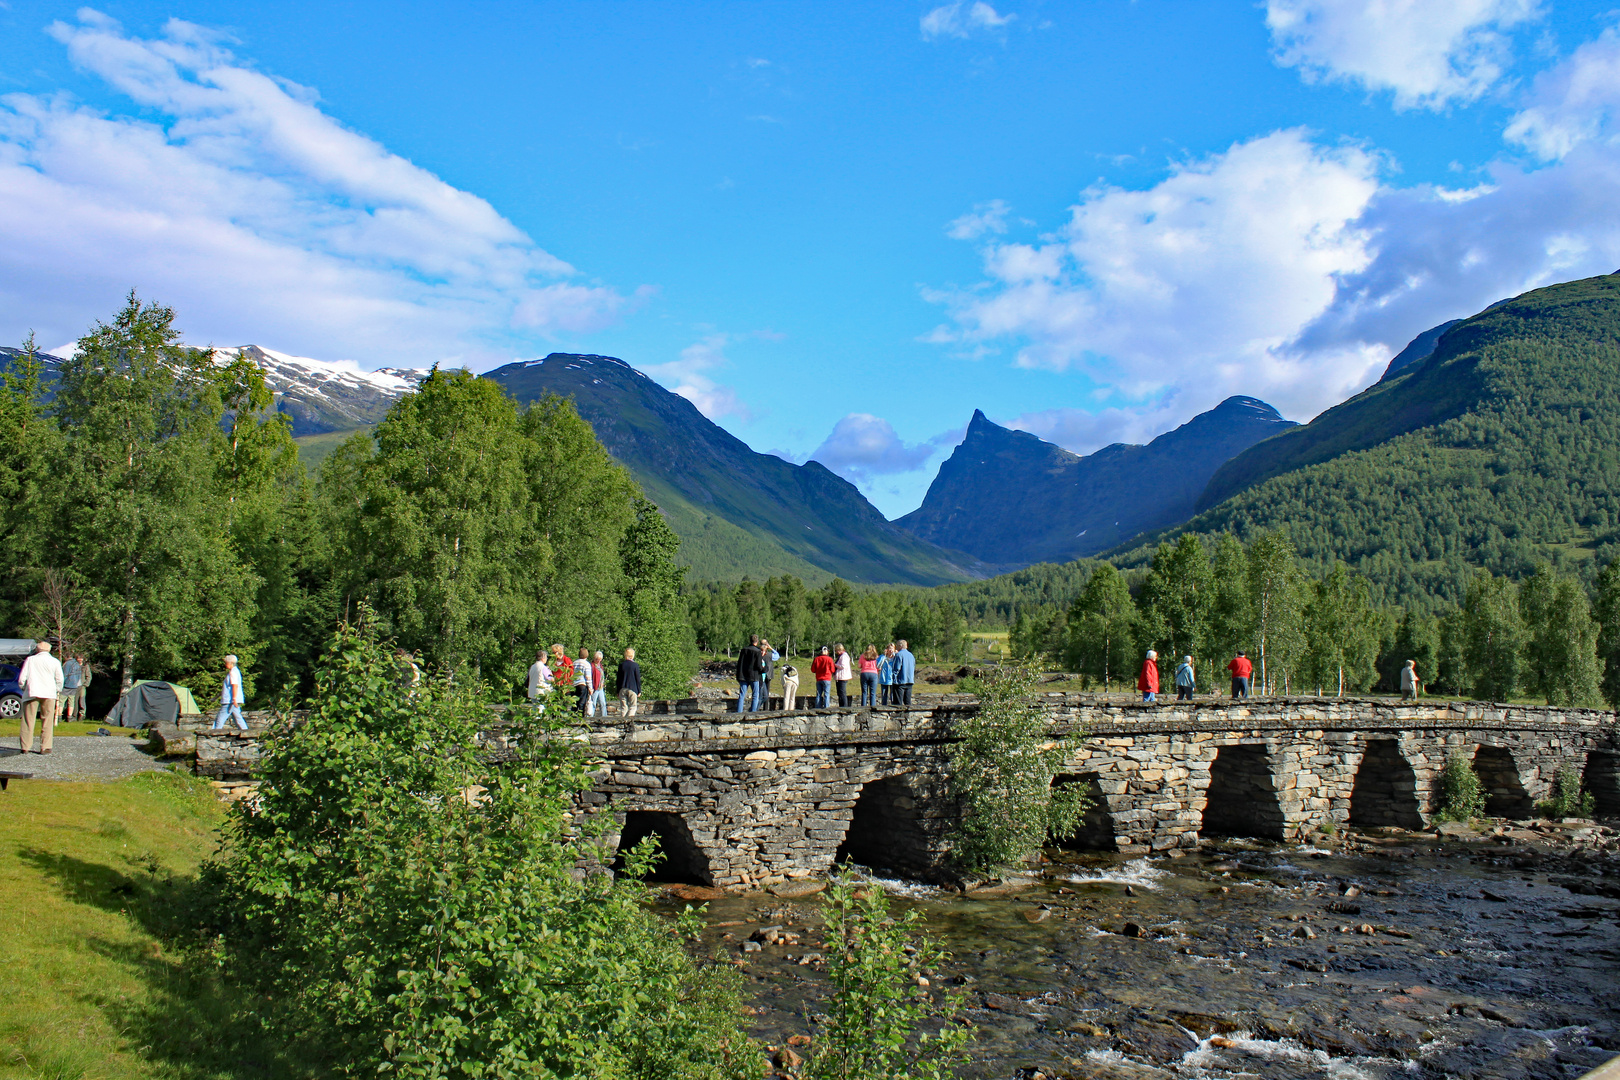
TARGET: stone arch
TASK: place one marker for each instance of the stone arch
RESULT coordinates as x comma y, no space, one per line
1242,796
1385,791
1096,831
684,862
1498,773
1602,778
885,829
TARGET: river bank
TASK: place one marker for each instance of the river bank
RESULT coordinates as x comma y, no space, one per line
1358,956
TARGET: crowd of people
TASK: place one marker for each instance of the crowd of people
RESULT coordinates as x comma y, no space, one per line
586,677
886,678
1242,671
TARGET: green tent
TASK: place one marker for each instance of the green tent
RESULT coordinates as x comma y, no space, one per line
152,701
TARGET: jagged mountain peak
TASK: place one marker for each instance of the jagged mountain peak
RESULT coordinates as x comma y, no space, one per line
1011,498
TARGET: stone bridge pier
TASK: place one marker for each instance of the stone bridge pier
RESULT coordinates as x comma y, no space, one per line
742,801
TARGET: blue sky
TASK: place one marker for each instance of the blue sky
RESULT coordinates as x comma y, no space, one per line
837,228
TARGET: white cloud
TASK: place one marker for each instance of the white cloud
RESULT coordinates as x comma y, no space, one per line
961,20
862,446
1429,52
987,217
1195,286
689,378
1439,257
256,215
1576,102
1082,432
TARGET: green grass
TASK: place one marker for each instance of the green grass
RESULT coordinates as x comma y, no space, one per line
82,868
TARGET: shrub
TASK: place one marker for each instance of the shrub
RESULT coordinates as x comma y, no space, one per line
1462,798
876,1019
1568,800
1002,766
419,912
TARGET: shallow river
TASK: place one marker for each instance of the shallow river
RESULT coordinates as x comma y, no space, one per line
1244,959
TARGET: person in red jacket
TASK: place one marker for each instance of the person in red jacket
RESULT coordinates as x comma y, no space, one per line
822,668
1241,670
1148,681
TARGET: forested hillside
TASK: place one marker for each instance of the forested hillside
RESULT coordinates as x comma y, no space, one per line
737,511
1500,450
155,517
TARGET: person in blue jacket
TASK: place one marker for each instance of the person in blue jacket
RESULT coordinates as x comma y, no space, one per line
905,673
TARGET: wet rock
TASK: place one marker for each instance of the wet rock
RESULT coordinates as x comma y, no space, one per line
1305,932
692,892
1036,915
1131,929
1309,965
797,890
1339,907
1457,830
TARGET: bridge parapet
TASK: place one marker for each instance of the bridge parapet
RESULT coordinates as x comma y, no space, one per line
749,799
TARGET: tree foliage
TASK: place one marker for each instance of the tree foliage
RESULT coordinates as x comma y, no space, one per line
416,911
1001,769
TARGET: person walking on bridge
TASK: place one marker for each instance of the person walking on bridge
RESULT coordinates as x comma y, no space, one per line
1148,681
1410,686
230,697
582,681
598,705
1185,680
629,683
1241,670
748,670
539,684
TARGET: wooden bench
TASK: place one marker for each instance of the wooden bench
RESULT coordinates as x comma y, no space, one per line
8,777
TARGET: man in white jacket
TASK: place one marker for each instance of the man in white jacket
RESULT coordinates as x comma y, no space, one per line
41,682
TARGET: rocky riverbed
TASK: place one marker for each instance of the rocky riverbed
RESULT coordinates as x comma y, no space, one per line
1377,955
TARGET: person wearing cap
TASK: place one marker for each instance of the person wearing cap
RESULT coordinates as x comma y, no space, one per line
1148,681
1185,680
40,681
1241,669
230,696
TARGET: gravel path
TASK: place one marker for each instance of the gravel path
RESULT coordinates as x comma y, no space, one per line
81,757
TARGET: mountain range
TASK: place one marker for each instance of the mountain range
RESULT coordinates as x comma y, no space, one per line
1012,499
1492,440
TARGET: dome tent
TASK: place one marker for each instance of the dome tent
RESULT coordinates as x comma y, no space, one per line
152,702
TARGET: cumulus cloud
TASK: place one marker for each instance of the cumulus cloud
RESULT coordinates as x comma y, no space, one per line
1428,53
689,377
1575,103
1194,286
255,214
987,217
961,20
862,446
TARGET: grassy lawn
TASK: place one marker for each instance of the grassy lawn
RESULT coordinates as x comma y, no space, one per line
82,867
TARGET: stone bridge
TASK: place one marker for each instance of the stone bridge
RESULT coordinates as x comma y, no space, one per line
743,801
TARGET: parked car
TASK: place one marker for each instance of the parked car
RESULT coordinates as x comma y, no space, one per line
10,692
